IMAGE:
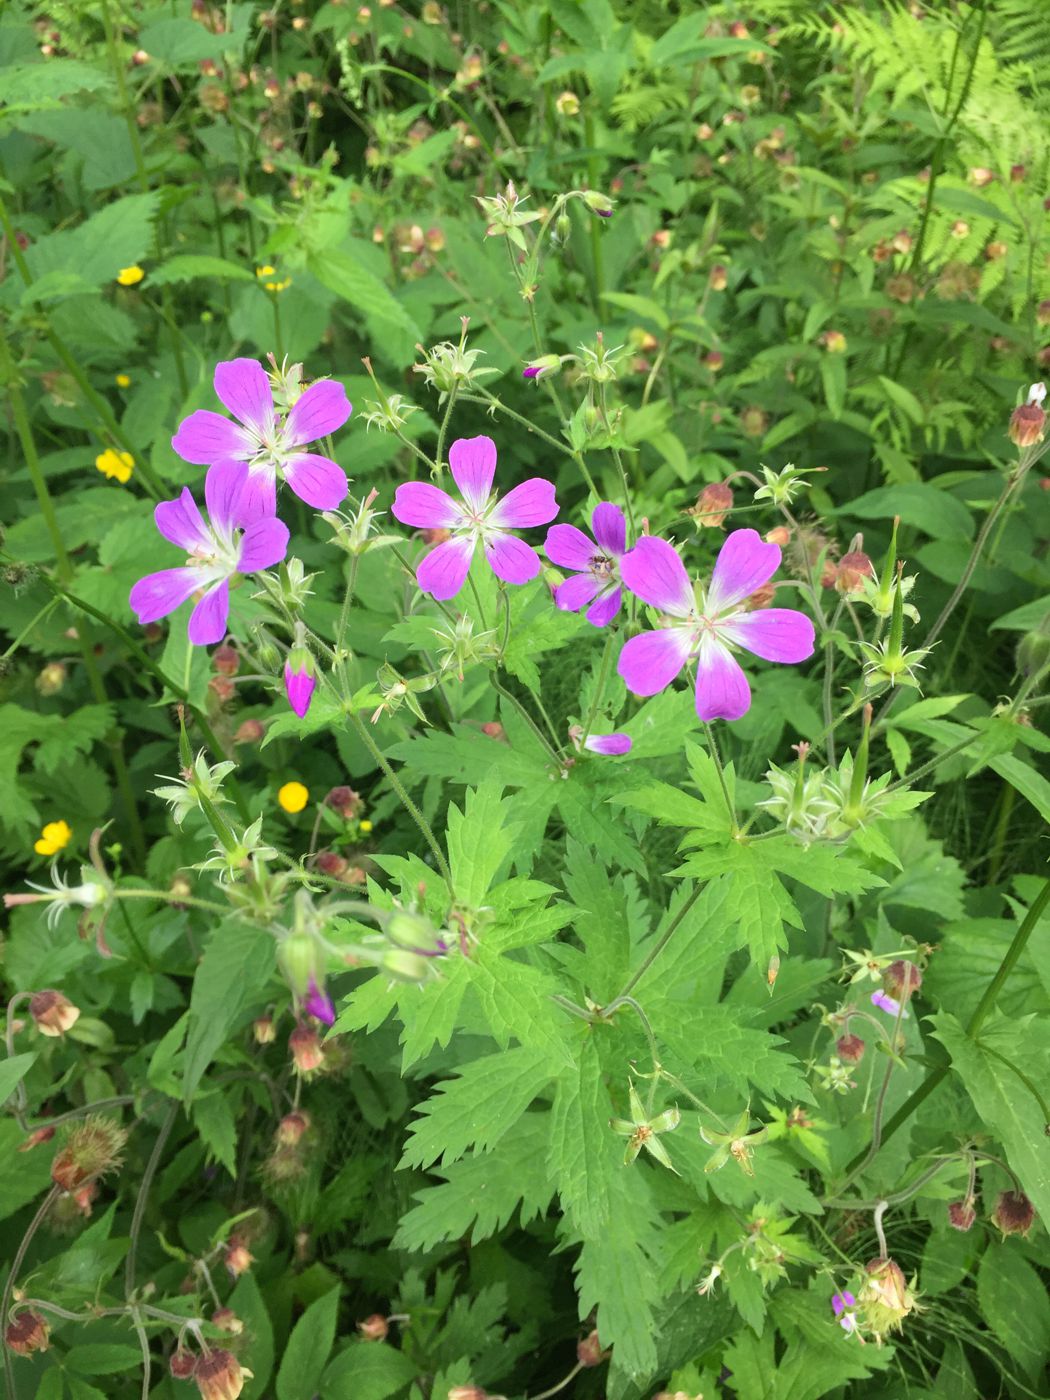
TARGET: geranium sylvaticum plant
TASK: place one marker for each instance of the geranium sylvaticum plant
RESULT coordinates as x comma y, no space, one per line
534,885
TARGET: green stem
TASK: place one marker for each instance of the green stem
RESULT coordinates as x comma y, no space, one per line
142,1198
984,1006
492,401
717,758
596,232
538,733
599,689
443,430
16,1267
406,801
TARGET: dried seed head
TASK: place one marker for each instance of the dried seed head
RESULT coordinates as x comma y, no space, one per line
92,1150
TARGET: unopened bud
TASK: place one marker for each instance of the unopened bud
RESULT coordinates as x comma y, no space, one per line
589,1350
598,203
182,1364
264,1030
718,277
374,1328
961,1215
226,1320
713,504
35,1138
850,1048
853,568
345,801
52,1012
332,864
901,979
305,1045
250,731
1027,423
226,660
780,534
51,678
292,1128
1014,1213
467,1392
237,1257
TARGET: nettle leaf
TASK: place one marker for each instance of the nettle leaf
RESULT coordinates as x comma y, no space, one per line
1003,1103
615,1273
583,1154
478,842
186,267
393,331
478,1107
119,235
479,1194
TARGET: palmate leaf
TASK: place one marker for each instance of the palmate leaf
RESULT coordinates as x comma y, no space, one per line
479,1194
478,1107
582,1152
615,1274
722,1049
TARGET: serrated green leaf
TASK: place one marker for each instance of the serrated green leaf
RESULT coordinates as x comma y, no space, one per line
478,1107
236,965
583,1153
478,842
186,267
215,1123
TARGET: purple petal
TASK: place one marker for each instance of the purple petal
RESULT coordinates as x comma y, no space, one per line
569,548
318,481
745,562
204,437
650,662
180,522
774,634
157,595
263,544
531,503
530,372
223,490
889,1004
245,390
208,618
511,559
444,570
654,572
473,463
605,609
576,592
426,507
320,411
299,688
722,691
318,1004
610,528
608,744
259,499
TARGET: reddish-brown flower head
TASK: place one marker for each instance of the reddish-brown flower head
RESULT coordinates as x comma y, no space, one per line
901,979
1027,424
220,1376
292,1128
853,569
1014,1213
226,1320
305,1045
237,1258
52,1012
850,1048
589,1350
27,1332
713,504
182,1364
961,1215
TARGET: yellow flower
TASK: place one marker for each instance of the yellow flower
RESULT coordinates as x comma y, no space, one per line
123,381
116,464
366,827
128,276
281,286
54,837
266,271
293,797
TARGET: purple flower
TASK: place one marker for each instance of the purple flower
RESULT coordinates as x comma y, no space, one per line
319,1004
482,516
299,685
889,1004
840,1303
705,624
271,445
608,744
225,546
596,564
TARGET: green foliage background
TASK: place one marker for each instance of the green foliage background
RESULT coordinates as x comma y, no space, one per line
781,176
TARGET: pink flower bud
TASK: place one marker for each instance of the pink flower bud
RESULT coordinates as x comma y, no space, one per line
374,1328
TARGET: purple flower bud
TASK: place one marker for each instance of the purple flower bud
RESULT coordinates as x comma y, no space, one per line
530,372
318,1003
608,744
299,685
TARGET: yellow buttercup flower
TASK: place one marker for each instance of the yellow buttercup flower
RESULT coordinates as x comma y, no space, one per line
293,797
266,271
365,827
123,381
117,465
129,276
54,837
281,286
